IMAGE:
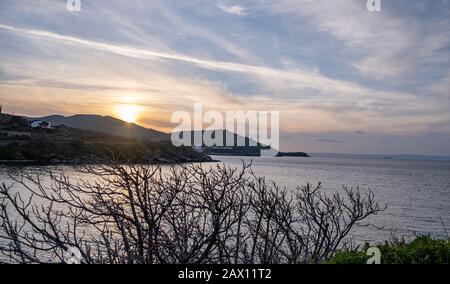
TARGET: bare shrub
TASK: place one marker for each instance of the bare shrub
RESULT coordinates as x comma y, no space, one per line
180,214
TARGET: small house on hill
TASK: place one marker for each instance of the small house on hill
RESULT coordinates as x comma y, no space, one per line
41,124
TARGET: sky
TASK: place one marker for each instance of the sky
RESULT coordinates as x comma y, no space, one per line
345,80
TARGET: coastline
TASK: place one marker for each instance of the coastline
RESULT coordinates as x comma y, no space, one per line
156,161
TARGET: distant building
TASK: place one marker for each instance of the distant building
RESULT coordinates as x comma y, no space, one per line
198,149
41,124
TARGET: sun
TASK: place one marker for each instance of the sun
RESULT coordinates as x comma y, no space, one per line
128,113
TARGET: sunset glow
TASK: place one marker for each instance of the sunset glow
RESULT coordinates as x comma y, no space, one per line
128,113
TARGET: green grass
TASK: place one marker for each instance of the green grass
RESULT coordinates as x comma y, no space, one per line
423,250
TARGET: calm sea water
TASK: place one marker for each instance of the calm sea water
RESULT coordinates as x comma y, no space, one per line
417,192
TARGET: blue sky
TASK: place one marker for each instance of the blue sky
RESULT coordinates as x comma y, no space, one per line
344,79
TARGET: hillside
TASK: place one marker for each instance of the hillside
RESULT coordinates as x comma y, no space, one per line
119,130
19,143
106,124
249,147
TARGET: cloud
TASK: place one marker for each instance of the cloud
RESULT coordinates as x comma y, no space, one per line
322,98
304,78
394,43
441,87
235,9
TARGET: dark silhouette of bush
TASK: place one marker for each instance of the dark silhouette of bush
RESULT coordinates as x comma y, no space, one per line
128,213
18,123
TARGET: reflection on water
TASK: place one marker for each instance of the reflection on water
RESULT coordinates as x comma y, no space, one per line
417,192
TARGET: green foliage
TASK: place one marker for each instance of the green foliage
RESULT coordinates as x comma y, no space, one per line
10,152
18,123
45,150
423,250
75,145
349,257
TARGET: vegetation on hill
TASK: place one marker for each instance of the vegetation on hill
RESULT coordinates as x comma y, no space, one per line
44,150
11,122
20,142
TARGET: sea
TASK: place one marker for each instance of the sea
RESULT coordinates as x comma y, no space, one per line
416,192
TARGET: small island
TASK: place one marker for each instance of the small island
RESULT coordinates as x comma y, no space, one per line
292,154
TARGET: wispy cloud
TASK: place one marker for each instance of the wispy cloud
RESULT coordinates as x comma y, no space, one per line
237,10
305,78
328,95
391,43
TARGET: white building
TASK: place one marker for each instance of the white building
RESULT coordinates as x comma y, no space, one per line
198,149
41,124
